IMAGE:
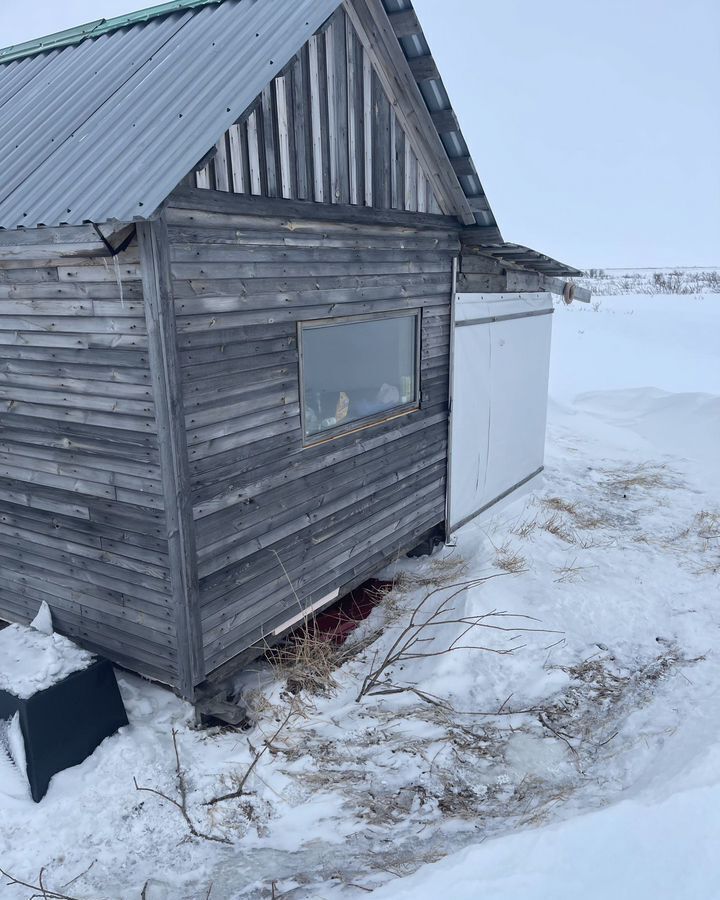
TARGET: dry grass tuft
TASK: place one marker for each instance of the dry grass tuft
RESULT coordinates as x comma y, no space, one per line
581,518
706,525
706,528
570,574
645,476
558,528
509,561
525,529
557,504
306,661
435,573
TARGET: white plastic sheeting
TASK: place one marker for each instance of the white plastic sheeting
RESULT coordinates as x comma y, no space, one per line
501,363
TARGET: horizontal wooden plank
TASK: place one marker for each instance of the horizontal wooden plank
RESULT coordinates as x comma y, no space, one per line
387,528
117,541
321,268
259,576
56,566
252,639
282,524
218,202
118,359
153,659
310,252
69,291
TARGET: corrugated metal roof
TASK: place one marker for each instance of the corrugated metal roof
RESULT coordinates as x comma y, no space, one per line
106,128
95,29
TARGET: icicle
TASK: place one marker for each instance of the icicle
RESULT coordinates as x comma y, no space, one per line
118,278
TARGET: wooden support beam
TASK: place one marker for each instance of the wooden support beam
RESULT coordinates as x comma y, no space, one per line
246,205
514,281
381,45
172,441
476,283
424,68
445,121
463,165
523,281
405,23
479,204
557,286
477,235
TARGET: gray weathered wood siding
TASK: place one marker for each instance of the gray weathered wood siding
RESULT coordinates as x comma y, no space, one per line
81,512
323,130
267,510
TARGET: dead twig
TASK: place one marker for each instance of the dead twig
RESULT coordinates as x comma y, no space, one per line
181,804
544,722
67,884
40,890
258,754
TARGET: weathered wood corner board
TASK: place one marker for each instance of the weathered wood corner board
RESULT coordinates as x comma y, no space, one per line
166,483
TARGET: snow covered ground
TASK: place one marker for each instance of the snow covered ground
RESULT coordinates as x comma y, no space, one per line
578,754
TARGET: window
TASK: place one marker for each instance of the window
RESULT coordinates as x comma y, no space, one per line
355,371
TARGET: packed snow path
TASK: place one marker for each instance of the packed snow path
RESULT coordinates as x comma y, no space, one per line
585,760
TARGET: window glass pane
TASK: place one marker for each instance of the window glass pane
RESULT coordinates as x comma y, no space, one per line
357,370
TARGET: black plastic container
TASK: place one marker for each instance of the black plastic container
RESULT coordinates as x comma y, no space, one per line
65,723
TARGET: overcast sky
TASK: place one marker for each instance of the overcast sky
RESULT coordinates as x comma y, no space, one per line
594,124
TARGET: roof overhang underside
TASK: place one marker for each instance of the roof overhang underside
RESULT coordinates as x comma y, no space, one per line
518,257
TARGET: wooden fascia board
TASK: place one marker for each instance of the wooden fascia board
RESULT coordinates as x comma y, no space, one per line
381,44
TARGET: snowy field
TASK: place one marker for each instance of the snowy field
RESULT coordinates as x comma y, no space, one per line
577,755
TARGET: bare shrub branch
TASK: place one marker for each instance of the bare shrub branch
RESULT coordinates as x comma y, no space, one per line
419,631
257,756
181,804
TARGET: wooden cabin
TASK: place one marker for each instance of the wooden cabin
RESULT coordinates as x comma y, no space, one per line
245,262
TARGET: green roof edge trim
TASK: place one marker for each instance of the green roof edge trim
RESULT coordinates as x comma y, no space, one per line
95,29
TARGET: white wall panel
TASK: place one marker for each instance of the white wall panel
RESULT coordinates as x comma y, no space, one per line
499,404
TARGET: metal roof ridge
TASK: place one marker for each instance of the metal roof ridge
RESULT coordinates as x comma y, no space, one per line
79,33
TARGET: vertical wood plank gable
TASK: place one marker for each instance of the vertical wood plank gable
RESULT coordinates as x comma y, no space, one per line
324,130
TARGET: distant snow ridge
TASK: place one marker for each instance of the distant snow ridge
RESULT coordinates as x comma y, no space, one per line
612,282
